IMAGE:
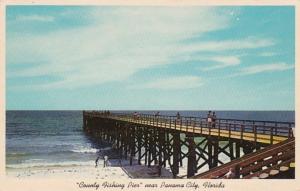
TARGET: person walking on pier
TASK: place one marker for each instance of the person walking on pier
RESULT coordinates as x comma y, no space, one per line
135,115
209,119
178,116
214,119
156,114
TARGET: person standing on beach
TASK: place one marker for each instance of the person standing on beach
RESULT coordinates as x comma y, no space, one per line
105,161
96,162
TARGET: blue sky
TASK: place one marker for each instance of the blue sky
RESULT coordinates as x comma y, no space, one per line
105,57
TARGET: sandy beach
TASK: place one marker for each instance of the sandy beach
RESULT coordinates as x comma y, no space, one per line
113,170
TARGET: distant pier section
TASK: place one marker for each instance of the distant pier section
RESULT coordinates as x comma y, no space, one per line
255,149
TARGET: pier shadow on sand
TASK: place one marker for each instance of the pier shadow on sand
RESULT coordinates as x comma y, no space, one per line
139,171
134,170
116,160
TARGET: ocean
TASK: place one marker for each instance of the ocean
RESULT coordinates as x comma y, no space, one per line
56,138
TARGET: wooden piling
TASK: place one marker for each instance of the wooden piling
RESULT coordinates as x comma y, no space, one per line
210,154
139,145
215,144
146,145
161,143
237,149
176,152
192,166
132,144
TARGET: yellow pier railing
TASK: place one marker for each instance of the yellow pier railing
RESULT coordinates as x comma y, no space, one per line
267,132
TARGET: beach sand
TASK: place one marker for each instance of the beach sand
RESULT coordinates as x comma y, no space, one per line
113,170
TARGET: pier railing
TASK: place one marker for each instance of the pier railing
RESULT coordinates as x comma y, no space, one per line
259,131
265,163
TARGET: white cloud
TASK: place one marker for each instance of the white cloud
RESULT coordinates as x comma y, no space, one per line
38,18
232,60
172,83
224,62
273,67
240,44
120,42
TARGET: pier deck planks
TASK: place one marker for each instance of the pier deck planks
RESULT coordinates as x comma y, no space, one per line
261,138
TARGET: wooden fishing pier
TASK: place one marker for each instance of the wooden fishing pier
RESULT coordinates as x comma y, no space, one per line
254,148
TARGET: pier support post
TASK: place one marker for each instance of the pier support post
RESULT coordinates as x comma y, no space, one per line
146,145
155,145
150,147
165,147
132,144
231,150
209,150
168,147
139,144
215,144
213,151
118,137
161,143
127,137
192,162
122,140
176,153
237,150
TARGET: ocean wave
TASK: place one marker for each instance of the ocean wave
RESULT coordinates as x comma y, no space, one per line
50,165
33,160
90,150
16,154
69,151
85,150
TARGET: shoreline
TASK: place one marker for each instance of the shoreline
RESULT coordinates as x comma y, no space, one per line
89,171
